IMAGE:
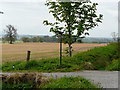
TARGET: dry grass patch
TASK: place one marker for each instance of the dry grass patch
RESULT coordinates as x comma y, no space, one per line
34,80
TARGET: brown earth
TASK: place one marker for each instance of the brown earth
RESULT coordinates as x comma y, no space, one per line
17,51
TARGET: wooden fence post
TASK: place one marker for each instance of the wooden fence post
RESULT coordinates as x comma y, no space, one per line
28,55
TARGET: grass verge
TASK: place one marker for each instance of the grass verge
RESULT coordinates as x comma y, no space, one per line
70,82
100,58
32,81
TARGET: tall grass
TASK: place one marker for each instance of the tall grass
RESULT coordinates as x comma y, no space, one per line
114,66
70,82
98,58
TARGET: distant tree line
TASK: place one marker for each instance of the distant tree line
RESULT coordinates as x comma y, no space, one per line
39,39
33,39
11,36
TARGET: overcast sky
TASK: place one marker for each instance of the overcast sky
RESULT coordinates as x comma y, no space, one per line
28,15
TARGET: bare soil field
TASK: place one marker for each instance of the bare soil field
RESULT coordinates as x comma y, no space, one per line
18,51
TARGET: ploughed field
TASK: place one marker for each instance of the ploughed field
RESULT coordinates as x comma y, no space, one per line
18,51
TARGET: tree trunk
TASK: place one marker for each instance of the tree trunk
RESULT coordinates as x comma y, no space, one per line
11,39
70,51
11,42
69,32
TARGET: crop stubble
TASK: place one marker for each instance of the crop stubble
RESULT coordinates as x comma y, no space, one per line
17,51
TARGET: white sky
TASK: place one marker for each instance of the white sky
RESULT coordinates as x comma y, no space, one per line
28,15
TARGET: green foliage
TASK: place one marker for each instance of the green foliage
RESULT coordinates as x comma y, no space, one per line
74,16
70,82
48,65
31,64
100,58
115,65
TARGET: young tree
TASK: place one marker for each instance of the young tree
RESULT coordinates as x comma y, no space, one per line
10,34
114,36
73,17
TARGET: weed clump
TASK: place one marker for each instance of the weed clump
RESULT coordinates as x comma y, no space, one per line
31,80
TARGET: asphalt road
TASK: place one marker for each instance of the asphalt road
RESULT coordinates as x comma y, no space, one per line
106,79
